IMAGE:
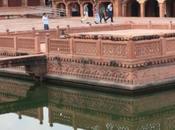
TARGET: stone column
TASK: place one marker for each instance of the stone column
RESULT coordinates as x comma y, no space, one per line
54,9
161,7
42,2
161,10
67,10
81,10
115,8
124,9
5,3
142,7
24,3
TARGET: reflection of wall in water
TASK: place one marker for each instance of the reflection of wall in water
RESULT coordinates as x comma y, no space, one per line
36,113
87,110
14,98
11,90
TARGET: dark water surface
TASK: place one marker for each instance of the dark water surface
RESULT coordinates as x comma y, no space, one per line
25,105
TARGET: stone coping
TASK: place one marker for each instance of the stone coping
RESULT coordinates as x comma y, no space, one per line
125,35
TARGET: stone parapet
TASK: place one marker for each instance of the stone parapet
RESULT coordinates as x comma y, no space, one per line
123,57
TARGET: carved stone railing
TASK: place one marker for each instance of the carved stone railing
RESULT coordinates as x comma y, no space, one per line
111,47
108,57
19,44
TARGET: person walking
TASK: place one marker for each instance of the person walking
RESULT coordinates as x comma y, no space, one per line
97,17
109,12
102,13
45,21
86,14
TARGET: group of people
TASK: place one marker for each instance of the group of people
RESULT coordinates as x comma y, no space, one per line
101,13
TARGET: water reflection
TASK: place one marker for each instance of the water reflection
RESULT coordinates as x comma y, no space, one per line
26,105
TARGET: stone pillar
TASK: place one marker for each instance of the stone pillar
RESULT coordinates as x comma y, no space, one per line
142,10
5,3
24,3
161,8
142,7
124,9
42,2
115,8
165,9
67,10
54,9
47,43
81,10
37,43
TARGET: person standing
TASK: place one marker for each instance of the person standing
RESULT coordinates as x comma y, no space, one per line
110,12
97,17
45,21
86,13
102,13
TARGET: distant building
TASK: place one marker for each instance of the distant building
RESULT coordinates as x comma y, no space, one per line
126,8
22,3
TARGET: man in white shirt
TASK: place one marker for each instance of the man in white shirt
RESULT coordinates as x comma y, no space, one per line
110,12
45,21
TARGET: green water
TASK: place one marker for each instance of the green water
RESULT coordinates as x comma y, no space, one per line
26,105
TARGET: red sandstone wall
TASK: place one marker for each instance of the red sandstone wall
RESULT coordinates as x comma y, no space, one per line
33,2
14,3
1,3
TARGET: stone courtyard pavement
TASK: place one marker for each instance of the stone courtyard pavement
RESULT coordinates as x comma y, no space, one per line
20,24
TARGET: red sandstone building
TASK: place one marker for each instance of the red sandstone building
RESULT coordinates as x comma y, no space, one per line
139,8
126,8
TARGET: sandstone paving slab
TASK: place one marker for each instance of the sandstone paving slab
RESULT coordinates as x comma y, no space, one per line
22,24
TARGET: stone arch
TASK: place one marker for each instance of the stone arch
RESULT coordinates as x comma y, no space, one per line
14,3
74,9
90,8
33,2
61,7
48,3
133,8
151,8
170,8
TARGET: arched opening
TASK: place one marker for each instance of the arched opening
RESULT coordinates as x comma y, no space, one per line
151,8
14,3
48,3
74,9
33,2
133,8
170,8
61,9
90,9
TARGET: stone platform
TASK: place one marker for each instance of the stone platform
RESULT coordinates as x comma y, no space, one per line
130,33
127,59
126,56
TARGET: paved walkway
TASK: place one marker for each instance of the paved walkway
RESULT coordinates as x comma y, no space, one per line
131,33
21,24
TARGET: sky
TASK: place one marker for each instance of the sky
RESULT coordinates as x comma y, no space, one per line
10,121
